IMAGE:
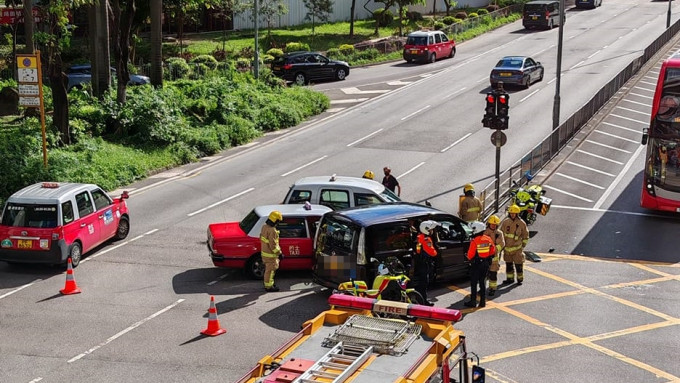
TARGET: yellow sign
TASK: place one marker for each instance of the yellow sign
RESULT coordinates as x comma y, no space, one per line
27,62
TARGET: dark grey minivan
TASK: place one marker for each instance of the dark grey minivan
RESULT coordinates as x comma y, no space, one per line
543,14
347,239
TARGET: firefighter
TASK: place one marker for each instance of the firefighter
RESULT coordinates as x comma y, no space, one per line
470,207
425,256
368,174
516,236
480,253
270,249
496,235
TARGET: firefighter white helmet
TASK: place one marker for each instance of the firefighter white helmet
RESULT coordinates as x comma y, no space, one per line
426,226
477,227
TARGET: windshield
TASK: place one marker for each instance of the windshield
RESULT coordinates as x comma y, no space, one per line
30,215
249,221
336,237
416,40
389,196
663,165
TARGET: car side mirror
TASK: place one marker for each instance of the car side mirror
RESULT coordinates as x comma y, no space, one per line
427,203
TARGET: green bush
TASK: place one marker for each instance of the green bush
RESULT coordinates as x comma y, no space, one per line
414,16
207,60
177,68
472,14
243,64
482,11
267,59
366,54
438,25
333,53
346,49
384,17
448,20
296,46
276,52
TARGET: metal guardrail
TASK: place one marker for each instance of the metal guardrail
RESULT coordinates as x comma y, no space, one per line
538,157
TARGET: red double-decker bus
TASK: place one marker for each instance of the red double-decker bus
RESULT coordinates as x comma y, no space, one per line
661,187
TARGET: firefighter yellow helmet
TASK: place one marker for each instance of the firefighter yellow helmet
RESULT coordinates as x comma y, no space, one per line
468,187
275,216
369,174
513,209
493,220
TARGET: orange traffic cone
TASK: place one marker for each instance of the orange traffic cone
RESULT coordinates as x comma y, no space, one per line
213,323
70,287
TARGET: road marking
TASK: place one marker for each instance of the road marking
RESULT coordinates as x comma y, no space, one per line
621,127
220,202
354,90
637,102
591,56
647,82
365,137
551,81
600,157
303,166
615,136
455,93
416,112
529,95
619,177
599,210
645,89
412,169
349,101
109,249
577,64
629,119
641,95
35,380
483,79
589,168
398,83
19,288
134,326
221,277
335,110
455,143
633,110
567,193
542,50
607,146
580,181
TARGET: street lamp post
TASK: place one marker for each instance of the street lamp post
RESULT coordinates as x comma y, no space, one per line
556,104
668,16
256,64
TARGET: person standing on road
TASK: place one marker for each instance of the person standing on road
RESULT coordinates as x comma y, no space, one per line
425,256
470,206
270,249
496,235
480,253
390,181
516,237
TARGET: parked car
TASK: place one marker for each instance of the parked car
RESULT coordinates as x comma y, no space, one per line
428,46
49,222
338,192
588,3
516,70
542,14
303,67
347,239
237,244
82,74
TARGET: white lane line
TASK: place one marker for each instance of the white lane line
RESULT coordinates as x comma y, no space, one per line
481,80
134,326
630,119
645,89
553,80
416,112
600,157
589,168
579,181
567,193
611,211
455,143
619,177
412,169
349,100
303,166
632,110
615,136
607,146
220,202
398,83
641,95
529,95
221,277
455,93
647,82
335,110
636,102
108,249
19,288
35,380
620,127
353,90
577,64
591,56
365,137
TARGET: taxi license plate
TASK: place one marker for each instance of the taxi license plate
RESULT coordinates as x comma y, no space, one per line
25,244
506,74
534,17
414,51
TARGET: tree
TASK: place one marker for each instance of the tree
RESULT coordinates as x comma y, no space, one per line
225,9
123,14
268,9
403,8
318,9
387,4
351,18
449,4
180,10
100,55
156,15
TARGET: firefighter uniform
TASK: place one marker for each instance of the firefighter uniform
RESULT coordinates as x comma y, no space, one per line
497,236
516,237
425,256
470,206
270,250
480,253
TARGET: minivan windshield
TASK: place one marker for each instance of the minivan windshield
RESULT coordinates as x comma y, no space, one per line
336,237
30,215
389,196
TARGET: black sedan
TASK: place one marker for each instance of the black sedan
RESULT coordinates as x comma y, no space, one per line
517,70
303,67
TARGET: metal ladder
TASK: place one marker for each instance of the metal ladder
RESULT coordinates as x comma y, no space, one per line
338,364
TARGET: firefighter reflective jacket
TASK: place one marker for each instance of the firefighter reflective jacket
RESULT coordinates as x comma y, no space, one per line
470,209
516,234
482,246
269,239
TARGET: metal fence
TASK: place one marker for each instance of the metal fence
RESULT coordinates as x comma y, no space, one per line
541,154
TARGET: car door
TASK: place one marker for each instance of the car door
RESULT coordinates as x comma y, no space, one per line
295,242
313,67
326,69
88,221
447,46
530,68
452,242
335,199
438,45
108,219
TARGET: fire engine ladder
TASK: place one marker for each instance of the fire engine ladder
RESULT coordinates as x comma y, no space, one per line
338,364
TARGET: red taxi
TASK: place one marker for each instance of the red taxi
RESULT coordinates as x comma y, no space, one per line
237,244
49,222
428,46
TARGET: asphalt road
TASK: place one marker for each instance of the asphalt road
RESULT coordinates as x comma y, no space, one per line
144,300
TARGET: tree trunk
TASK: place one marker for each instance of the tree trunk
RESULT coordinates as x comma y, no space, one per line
122,24
58,82
101,65
156,43
351,19
28,25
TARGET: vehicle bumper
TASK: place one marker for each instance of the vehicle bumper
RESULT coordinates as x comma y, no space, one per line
57,254
220,260
513,80
416,56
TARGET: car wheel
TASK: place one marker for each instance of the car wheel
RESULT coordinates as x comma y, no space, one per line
453,52
409,60
300,79
526,82
540,78
123,228
340,74
433,58
255,267
76,253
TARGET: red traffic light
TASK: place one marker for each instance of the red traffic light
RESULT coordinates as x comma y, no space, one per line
503,99
491,98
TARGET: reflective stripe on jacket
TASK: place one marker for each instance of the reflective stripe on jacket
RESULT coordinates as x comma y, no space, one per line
516,234
482,246
470,208
269,241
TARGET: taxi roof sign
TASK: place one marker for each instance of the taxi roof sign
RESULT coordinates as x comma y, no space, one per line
50,185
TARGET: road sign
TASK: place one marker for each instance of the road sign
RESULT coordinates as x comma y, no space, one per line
29,90
28,75
29,101
498,135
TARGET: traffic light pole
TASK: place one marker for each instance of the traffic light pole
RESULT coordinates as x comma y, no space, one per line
498,145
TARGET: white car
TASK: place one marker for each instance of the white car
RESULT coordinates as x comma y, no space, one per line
338,192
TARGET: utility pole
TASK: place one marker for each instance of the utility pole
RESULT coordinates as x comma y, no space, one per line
256,64
668,17
556,104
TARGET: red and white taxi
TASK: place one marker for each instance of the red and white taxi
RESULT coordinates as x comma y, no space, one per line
49,222
237,244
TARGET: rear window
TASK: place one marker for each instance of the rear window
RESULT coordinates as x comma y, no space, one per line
534,7
509,63
416,40
30,215
249,221
279,61
337,236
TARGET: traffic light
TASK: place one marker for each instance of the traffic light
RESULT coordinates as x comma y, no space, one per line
489,119
502,116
